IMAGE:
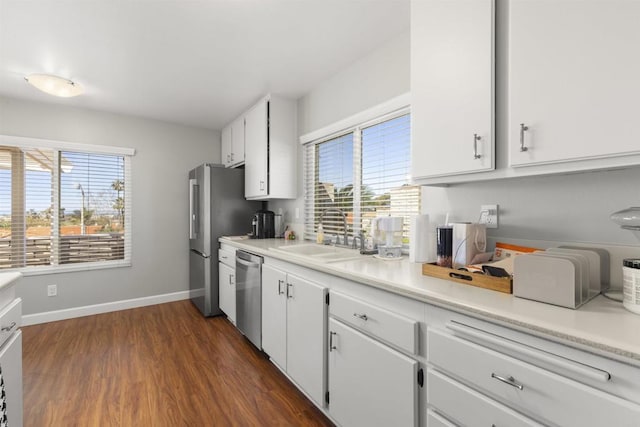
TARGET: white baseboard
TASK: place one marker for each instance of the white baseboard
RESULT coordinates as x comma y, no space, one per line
88,310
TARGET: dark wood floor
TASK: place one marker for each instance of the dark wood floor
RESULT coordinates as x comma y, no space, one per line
163,365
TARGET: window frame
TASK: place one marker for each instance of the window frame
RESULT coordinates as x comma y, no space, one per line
62,146
389,110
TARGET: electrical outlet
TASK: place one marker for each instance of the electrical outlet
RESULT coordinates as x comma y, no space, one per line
489,215
52,290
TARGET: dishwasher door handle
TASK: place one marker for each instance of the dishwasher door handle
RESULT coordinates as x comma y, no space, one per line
247,263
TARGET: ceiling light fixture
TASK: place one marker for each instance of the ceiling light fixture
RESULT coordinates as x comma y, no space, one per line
54,85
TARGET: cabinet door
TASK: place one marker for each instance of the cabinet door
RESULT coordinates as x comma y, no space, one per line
306,336
237,141
11,363
274,314
370,384
573,80
452,57
227,291
225,146
256,151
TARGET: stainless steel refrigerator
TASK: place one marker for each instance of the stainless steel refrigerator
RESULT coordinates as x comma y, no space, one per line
217,207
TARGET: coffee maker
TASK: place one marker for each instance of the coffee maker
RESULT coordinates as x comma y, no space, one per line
263,225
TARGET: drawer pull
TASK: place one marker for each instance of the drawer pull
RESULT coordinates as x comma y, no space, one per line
476,138
331,346
491,340
361,316
280,283
523,129
8,328
511,381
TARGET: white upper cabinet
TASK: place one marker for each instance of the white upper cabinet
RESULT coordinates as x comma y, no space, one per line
232,143
257,149
574,83
452,85
270,150
225,146
237,142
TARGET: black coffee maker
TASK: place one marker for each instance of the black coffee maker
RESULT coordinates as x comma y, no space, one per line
263,225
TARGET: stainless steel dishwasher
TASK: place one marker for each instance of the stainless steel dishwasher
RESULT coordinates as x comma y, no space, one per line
249,296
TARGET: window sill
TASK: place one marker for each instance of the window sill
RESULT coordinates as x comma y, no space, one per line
39,271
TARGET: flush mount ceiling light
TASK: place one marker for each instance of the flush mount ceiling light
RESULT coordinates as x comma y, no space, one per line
54,85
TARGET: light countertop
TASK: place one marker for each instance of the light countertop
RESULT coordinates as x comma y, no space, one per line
601,324
7,278
7,292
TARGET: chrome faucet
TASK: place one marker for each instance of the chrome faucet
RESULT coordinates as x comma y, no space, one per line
344,222
355,239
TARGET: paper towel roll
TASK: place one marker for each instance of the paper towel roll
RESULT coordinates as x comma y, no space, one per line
420,239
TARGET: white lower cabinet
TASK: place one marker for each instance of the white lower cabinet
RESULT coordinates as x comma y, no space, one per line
227,291
227,283
11,363
370,384
448,397
11,355
294,319
485,374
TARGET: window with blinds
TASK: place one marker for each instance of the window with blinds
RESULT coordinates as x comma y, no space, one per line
360,174
61,207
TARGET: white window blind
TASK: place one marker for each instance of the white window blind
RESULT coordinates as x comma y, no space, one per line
60,207
361,173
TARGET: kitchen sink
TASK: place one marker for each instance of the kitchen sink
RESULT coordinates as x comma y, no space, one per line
321,253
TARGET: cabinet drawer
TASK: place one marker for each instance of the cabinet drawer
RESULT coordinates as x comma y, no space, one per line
543,395
227,257
10,319
435,420
468,407
378,322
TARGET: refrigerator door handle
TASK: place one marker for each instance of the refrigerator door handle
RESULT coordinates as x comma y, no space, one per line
202,254
193,209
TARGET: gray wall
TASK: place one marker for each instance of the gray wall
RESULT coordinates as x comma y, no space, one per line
164,154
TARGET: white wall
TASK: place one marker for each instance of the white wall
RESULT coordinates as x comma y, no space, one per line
371,80
164,155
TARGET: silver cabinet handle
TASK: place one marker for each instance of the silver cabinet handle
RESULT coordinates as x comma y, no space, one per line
476,138
261,185
361,316
523,129
228,158
511,381
8,328
231,279
280,291
331,346
289,293
232,157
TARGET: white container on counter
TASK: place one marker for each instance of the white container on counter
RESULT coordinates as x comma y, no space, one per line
631,285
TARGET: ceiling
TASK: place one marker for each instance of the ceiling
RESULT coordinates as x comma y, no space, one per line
198,63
